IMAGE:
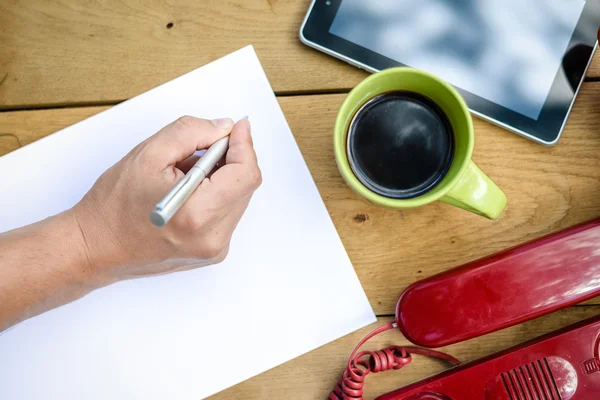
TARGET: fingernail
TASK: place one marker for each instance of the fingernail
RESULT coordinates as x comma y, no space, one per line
223,123
248,120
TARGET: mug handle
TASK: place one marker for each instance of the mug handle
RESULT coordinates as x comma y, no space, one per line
475,192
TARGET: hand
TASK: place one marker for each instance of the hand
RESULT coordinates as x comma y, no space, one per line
113,217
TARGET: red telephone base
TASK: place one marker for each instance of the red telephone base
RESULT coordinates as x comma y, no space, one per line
561,365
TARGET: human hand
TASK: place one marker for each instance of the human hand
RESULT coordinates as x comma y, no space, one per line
113,217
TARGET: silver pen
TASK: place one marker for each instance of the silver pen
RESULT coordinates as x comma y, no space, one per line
173,201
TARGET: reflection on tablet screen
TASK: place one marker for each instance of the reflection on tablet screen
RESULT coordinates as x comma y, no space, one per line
506,51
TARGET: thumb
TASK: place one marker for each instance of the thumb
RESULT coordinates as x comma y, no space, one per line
241,147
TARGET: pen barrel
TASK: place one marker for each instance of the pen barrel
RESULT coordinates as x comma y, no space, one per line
165,210
212,156
178,196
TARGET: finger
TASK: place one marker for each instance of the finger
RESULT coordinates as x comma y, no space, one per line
240,176
222,230
180,139
195,263
187,164
219,164
235,181
211,203
214,226
241,148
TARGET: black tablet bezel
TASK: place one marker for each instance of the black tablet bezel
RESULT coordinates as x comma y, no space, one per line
550,123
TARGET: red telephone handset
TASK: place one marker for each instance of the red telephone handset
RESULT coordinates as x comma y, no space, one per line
504,289
486,295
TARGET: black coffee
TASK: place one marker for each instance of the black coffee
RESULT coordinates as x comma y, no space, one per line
400,144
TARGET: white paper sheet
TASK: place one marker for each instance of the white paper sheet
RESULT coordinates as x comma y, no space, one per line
286,288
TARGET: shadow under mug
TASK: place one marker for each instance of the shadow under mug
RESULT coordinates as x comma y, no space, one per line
464,185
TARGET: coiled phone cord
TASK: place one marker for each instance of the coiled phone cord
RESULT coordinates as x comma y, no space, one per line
351,383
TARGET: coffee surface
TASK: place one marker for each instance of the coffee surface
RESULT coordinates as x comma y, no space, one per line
400,144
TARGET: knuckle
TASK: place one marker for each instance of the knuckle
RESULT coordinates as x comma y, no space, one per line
255,177
186,122
222,255
215,248
193,223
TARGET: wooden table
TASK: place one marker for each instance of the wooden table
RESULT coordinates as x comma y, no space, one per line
65,60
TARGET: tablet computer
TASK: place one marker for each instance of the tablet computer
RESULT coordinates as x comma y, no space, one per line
518,64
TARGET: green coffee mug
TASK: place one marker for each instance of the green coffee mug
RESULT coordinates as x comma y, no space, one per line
464,185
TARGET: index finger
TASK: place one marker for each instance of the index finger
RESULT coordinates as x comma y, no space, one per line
181,138
240,175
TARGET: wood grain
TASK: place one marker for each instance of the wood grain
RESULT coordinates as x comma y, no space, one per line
87,51
594,70
313,375
549,188
24,127
71,52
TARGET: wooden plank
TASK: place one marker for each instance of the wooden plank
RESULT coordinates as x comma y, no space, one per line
8,143
313,375
594,71
67,52
549,188
28,126
74,52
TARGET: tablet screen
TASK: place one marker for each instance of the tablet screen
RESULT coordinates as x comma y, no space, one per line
505,51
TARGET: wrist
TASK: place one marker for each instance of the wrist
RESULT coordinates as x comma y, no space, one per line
44,266
83,263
